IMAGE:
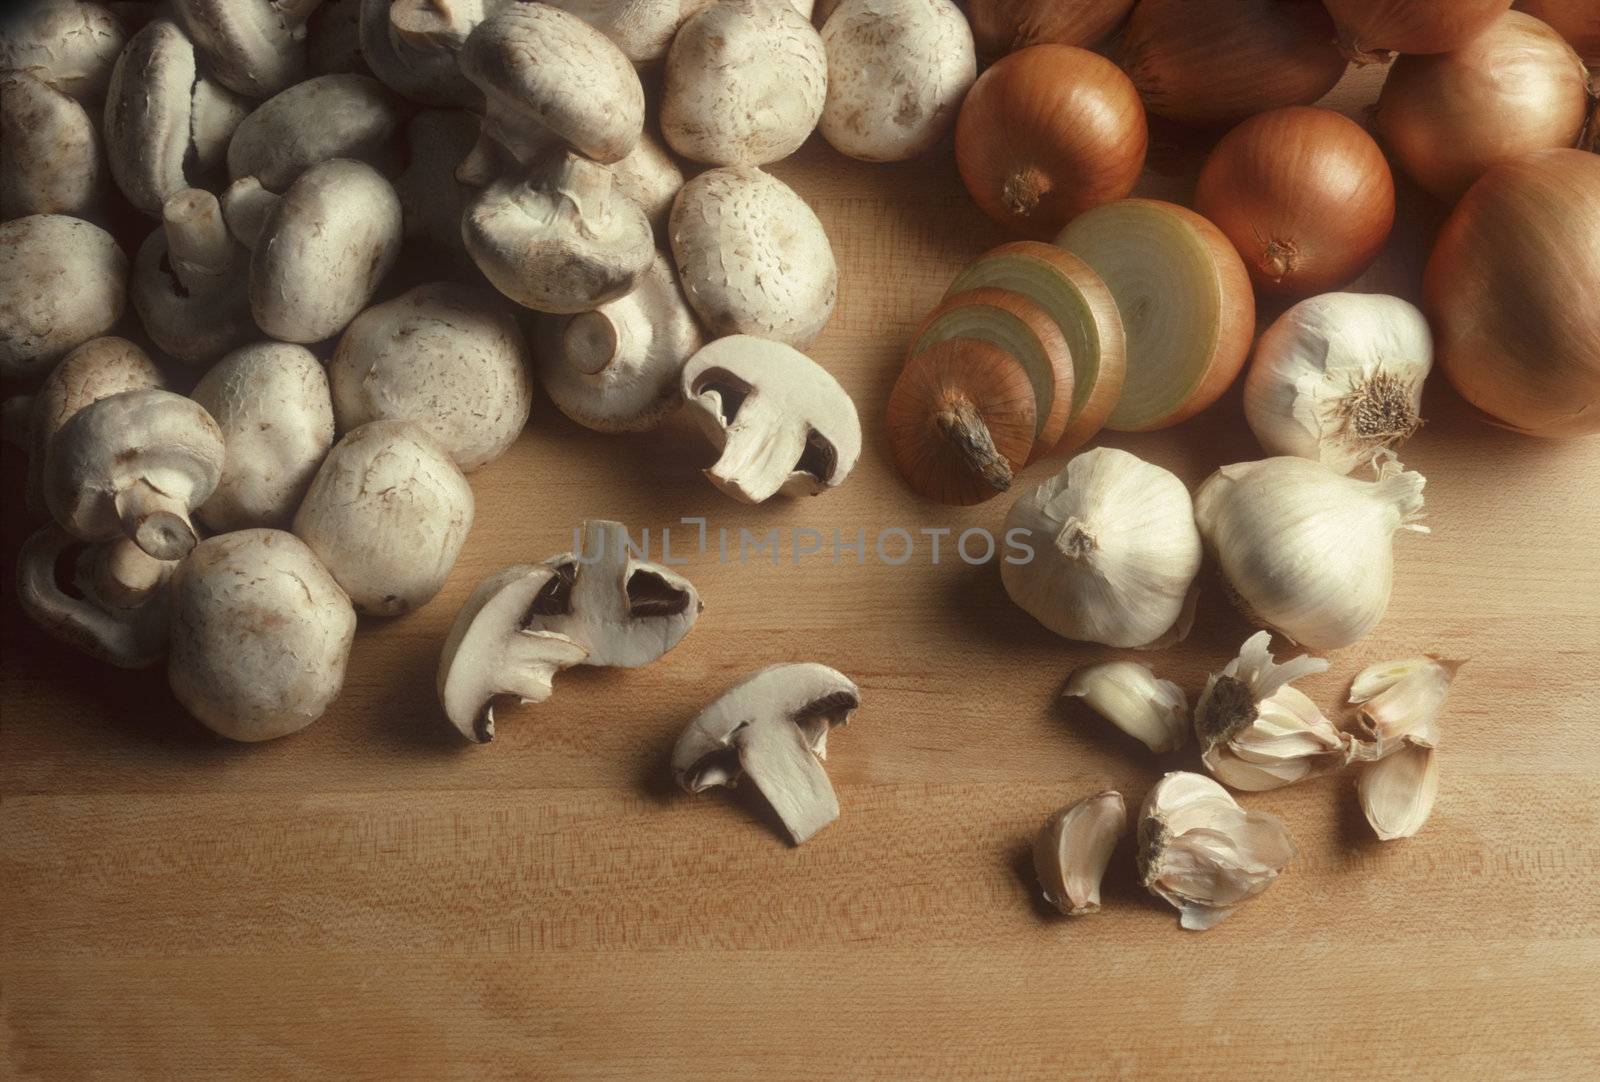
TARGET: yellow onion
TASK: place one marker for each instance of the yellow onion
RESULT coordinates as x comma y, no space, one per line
1004,26
1510,289
1371,29
1576,20
1517,87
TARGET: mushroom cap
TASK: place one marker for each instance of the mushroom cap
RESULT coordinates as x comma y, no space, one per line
642,29
781,422
68,44
270,400
616,369
260,635
626,612
745,83
249,46
566,245
753,257
329,116
147,438
132,637
649,177
52,162
545,73
422,68
65,283
897,73
323,250
387,514
447,356
490,651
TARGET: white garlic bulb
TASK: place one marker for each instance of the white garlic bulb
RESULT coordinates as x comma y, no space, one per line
1308,551
1073,849
1114,552
1339,377
1131,697
1203,853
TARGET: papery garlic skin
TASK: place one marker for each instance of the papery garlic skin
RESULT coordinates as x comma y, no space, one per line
1307,551
1073,849
1339,377
1115,551
1131,697
1398,792
1400,701
1204,854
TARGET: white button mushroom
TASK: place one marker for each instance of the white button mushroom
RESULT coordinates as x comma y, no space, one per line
330,116
134,464
260,635
745,83
753,257
772,727
642,29
616,369
117,610
66,43
52,162
271,402
324,247
897,73
387,514
565,244
412,45
444,355
65,283
252,47
491,651
781,422
190,281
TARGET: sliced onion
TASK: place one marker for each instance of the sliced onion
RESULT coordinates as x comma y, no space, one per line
1004,26
1021,328
1185,300
1215,62
1074,296
1516,88
1371,29
1576,20
1510,290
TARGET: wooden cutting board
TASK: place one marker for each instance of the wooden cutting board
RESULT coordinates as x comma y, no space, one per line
375,898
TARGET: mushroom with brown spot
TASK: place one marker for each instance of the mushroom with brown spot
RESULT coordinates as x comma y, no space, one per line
329,116
65,283
52,162
116,610
190,281
772,727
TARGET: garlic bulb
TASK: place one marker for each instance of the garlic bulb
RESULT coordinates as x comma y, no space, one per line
1256,732
1307,551
1129,695
1203,853
1400,704
1114,552
1339,377
1073,849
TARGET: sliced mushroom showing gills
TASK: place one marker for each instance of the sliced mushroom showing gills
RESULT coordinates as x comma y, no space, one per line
772,727
110,601
780,421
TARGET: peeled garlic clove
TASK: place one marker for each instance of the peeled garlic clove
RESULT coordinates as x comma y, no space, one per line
1400,701
1397,792
1073,849
1129,695
1204,854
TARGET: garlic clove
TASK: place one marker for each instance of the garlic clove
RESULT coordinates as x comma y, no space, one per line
1398,792
1127,694
1073,849
1400,701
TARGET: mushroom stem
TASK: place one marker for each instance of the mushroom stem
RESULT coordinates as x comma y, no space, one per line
587,184
591,341
961,425
122,575
245,207
158,523
198,245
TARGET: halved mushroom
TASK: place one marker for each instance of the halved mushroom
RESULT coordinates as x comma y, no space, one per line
753,256
117,609
549,78
190,283
642,29
52,162
616,369
625,612
166,125
745,83
330,116
270,400
492,651
387,514
772,727
323,249
134,464
566,244
67,44
781,422
412,46
65,283
252,47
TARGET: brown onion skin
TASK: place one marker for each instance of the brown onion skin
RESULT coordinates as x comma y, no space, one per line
1004,26
1046,134
1576,20
1370,29
1516,88
1214,62
1510,293
1304,194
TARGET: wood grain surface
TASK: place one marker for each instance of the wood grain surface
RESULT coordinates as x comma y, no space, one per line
375,898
